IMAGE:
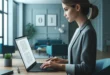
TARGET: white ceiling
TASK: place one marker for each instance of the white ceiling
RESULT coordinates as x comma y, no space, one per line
39,1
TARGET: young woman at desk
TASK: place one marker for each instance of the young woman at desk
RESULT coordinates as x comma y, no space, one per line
82,48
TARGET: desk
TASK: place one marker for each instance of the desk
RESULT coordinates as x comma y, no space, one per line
19,63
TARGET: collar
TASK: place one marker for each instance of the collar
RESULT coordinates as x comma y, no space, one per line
85,24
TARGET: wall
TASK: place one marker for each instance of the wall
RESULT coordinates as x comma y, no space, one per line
30,12
20,20
102,23
106,22
10,23
98,24
14,20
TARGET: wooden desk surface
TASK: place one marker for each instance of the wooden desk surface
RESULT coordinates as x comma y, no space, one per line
19,63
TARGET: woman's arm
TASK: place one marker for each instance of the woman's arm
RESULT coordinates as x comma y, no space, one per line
87,58
88,54
58,60
65,61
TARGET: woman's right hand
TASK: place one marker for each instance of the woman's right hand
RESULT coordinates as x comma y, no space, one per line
58,60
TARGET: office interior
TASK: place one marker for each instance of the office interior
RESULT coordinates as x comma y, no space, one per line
49,24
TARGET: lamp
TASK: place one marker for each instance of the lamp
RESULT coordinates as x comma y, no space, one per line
61,29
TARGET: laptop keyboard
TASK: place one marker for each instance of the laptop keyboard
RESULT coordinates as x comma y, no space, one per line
37,68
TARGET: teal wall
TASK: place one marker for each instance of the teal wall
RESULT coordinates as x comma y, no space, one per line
15,19
0,48
102,23
10,23
44,32
106,22
98,24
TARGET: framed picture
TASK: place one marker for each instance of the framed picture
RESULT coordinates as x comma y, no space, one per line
51,20
40,20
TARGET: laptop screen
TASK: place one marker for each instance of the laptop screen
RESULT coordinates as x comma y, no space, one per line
25,51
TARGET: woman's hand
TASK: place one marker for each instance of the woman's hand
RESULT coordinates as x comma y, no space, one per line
57,60
48,64
52,64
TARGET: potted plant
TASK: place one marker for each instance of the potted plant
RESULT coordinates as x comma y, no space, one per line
8,60
30,31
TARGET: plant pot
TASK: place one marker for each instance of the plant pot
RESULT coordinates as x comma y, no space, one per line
8,63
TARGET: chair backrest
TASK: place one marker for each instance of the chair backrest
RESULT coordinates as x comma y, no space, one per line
60,50
102,64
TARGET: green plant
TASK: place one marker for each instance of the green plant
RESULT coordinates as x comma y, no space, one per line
7,56
30,30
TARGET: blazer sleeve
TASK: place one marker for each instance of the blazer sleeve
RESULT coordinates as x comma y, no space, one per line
88,54
87,58
70,69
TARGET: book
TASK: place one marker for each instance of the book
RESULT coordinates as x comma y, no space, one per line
6,72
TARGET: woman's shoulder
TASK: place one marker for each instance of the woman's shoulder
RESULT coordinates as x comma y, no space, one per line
88,30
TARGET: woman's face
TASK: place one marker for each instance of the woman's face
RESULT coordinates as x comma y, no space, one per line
70,13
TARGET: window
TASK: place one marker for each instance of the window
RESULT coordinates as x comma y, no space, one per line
5,6
0,4
5,29
0,24
3,22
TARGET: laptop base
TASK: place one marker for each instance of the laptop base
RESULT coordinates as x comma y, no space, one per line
37,68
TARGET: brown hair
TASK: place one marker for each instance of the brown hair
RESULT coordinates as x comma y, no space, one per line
85,5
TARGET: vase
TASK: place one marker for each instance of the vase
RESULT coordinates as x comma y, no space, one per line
8,63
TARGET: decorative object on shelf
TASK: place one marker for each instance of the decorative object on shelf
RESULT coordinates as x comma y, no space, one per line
61,29
51,20
30,31
8,60
40,20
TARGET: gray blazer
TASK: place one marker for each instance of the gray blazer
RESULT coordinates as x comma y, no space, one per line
82,51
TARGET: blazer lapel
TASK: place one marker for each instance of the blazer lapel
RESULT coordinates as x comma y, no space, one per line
70,48
74,39
77,35
70,45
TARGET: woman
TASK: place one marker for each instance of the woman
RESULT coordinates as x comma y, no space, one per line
82,48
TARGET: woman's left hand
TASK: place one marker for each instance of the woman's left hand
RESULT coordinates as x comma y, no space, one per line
49,64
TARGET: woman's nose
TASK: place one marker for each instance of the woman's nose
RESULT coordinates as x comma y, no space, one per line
64,14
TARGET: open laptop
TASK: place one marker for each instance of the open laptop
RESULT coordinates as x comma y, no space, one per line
28,58
6,72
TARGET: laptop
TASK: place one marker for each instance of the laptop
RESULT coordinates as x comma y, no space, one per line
28,58
6,72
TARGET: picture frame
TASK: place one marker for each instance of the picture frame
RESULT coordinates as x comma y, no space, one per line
40,20
51,20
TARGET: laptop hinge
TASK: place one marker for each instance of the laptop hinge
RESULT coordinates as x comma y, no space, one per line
28,69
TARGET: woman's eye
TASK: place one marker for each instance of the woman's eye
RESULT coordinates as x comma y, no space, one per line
66,9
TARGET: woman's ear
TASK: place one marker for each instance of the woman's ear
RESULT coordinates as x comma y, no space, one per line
77,7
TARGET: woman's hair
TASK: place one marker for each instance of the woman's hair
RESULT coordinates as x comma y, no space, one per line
86,7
